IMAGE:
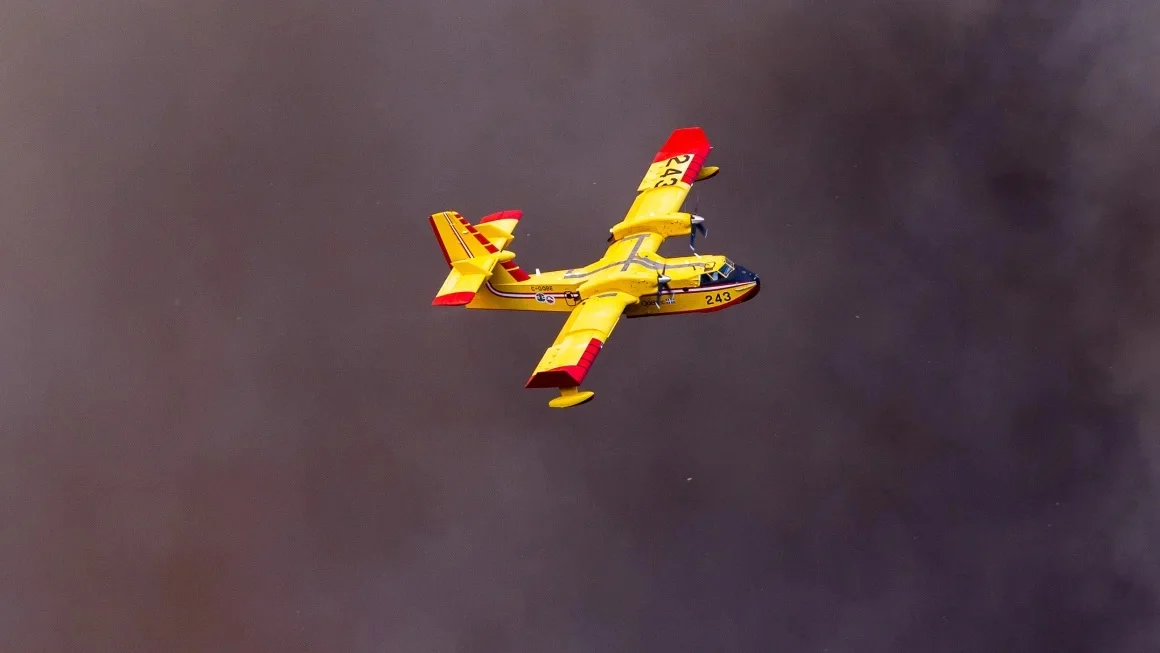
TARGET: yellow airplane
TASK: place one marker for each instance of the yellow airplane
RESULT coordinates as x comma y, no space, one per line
631,279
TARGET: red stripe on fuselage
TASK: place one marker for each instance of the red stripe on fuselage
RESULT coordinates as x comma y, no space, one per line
710,309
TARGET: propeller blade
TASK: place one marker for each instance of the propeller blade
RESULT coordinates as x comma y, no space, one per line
696,224
662,283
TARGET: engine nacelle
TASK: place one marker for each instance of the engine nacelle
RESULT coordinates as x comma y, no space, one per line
667,225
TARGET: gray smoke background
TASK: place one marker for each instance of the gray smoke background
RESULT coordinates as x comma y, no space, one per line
232,421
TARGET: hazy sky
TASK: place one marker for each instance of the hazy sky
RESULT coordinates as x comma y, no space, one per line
233,422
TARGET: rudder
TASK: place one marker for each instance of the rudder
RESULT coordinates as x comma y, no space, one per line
458,239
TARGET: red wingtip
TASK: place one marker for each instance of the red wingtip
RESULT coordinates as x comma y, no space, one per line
687,140
453,299
567,376
510,214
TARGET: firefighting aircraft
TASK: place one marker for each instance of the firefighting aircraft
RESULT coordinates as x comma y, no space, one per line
631,279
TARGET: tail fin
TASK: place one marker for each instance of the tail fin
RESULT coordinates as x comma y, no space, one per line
473,253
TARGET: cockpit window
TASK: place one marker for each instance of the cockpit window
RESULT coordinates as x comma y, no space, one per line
718,275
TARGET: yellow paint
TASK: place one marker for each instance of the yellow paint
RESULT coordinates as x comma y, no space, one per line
667,173
570,397
624,281
707,172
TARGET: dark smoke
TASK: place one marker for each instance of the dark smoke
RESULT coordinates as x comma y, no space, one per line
232,421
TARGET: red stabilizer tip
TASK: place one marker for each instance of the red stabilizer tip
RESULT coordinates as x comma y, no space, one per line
510,214
453,299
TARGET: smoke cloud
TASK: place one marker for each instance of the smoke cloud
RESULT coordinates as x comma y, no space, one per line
233,422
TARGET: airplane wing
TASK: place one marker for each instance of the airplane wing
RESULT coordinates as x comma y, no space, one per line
567,361
671,175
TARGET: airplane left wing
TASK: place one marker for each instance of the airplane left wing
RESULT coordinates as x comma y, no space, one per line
672,173
567,361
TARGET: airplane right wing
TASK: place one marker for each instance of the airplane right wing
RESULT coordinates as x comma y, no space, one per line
566,362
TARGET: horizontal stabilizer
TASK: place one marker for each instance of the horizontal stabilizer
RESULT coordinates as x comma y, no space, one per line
459,240
466,278
500,227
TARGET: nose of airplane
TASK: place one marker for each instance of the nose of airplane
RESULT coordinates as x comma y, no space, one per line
741,274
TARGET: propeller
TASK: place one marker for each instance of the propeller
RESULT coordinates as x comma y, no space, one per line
697,223
663,284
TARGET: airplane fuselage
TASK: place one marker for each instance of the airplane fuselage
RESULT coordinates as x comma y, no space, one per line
631,279
698,283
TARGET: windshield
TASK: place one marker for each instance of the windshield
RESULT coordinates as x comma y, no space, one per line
718,275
